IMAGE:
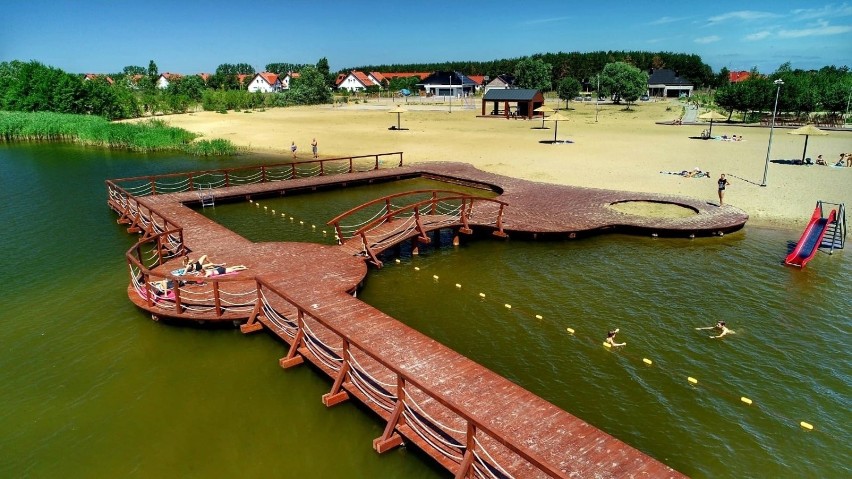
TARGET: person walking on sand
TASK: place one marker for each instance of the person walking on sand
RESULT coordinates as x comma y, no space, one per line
293,148
723,182
610,338
314,147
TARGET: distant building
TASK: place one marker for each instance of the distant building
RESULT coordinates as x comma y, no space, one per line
166,78
479,80
514,102
447,84
667,83
736,77
265,82
354,81
204,77
95,76
501,82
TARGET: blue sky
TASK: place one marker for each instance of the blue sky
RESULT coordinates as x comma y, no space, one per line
196,36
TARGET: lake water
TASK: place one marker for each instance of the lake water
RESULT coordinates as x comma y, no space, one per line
91,387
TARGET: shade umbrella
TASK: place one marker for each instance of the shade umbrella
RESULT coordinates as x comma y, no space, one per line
712,115
398,110
543,109
556,118
808,130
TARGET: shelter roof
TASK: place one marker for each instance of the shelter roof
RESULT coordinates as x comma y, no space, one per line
447,78
664,76
512,94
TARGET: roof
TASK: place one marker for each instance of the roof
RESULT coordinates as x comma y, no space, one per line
204,76
95,76
447,78
664,76
378,76
420,75
270,77
736,77
478,79
512,94
171,76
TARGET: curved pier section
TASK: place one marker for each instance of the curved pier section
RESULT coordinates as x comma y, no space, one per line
472,421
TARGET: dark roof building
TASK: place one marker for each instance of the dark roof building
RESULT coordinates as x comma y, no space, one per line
448,84
525,101
667,83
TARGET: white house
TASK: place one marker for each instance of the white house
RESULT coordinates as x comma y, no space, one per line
354,81
285,80
166,78
265,82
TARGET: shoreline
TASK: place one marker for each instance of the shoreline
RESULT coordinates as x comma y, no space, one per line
625,150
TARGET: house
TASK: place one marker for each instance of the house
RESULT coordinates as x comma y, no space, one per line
204,77
525,102
479,80
378,78
94,76
667,83
354,81
265,82
419,75
285,80
736,77
447,84
501,82
166,78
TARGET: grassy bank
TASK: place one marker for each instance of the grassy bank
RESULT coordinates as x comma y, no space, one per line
152,135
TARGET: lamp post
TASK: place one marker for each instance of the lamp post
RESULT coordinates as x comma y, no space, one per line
451,92
598,98
778,83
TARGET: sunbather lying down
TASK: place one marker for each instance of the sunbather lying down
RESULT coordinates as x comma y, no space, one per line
220,270
694,173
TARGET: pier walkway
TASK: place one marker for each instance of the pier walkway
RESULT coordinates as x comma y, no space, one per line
470,420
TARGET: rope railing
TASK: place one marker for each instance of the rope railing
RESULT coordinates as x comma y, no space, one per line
222,178
360,382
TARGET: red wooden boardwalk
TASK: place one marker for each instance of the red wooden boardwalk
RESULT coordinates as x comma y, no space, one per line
469,419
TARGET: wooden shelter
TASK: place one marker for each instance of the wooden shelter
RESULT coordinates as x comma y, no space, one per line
525,101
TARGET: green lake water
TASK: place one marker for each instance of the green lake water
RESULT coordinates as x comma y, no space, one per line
91,387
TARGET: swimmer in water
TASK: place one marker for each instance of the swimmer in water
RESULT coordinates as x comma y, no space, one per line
722,327
610,338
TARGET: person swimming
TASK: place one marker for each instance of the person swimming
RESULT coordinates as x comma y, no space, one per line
722,327
610,338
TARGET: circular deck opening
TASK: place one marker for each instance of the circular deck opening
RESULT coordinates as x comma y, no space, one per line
653,209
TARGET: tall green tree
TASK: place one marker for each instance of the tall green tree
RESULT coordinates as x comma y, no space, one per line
568,88
625,82
153,71
310,88
534,74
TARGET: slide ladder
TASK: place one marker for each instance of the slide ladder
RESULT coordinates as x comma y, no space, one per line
822,232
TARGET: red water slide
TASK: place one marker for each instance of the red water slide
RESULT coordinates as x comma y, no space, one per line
809,243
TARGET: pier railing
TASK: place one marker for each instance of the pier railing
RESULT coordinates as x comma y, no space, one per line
226,177
444,429
381,223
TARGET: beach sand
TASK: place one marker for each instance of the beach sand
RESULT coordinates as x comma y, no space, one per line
623,150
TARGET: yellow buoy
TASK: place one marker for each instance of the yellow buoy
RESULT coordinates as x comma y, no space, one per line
570,330
301,222
434,276
417,268
692,380
647,361
283,215
746,400
458,285
397,260
251,201
323,231
807,425
481,295
265,207
538,316
273,212
314,226
508,306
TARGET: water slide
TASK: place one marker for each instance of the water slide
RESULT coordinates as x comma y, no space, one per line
809,243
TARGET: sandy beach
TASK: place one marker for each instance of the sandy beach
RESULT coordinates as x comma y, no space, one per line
622,150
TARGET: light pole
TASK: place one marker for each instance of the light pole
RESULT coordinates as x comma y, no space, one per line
778,83
451,92
598,98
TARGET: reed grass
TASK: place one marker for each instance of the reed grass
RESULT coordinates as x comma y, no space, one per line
152,135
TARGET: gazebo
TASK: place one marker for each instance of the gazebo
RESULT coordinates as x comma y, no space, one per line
525,102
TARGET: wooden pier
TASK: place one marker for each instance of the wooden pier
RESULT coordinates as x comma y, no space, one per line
470,420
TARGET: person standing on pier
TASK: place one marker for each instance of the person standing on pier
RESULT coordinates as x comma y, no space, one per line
723,182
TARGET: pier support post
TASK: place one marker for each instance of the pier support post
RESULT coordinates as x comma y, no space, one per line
252,324
336,395
292,358
390,438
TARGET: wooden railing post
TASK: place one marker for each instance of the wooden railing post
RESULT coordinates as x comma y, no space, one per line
217,302
390,438
292,171
434,203
499,231
400,159
336,396
153,185
293,358
470,445
263,174
350,164
227,178
377,162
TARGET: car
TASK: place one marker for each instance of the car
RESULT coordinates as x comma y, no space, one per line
578,98
644,98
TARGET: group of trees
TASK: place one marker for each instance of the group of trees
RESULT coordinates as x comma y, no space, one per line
802,92
32,86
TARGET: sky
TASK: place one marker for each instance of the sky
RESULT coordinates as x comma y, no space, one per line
189,36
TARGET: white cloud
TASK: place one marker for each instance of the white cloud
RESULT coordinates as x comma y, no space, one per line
665,20
828,11
821,30
758,35
545,20
744,15
709,39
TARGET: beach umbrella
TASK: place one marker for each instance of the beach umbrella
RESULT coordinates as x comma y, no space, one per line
398,110
712,115
556,118
808,130
543,109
